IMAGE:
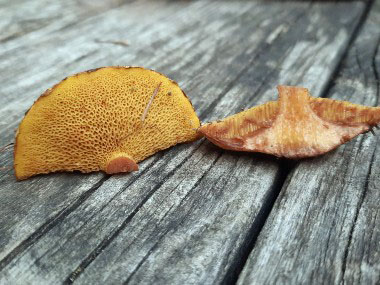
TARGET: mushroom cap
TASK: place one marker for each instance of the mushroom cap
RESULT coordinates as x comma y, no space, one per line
105,119
295,126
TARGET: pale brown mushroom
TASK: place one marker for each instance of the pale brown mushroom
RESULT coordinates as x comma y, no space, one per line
295,126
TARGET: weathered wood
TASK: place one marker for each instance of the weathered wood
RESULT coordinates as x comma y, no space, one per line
31,220
20,18
190,212
21,202
29,217
362,255
78,49
325,227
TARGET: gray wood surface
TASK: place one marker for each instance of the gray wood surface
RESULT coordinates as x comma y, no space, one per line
192,213
21,20
325,225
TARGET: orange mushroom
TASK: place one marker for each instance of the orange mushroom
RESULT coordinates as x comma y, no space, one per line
295,126
105,119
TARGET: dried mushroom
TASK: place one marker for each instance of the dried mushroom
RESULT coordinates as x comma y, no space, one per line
295,126
105,119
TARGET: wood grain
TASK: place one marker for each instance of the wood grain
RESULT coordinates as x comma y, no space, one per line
55,184
191,212
324,227
23,20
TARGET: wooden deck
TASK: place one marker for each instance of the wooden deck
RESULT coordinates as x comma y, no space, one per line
195,214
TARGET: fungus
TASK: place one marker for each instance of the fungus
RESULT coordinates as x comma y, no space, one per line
105,119
295,126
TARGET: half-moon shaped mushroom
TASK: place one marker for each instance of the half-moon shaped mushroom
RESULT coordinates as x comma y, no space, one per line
295,126
105,119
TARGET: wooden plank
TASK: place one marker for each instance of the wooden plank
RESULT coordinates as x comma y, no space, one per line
78,49
21,213
35,19
362,255
188,215
325,227
21,216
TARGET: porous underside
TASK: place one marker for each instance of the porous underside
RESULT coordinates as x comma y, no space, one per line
92,117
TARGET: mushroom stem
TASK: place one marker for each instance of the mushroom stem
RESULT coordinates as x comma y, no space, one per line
120,163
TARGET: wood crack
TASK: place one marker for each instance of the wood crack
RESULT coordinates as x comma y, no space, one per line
356,31
225,90
180,222
262,48
80,58
286,167
47,226
105,242
361,200
72,236
146,257
375,72
108,240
